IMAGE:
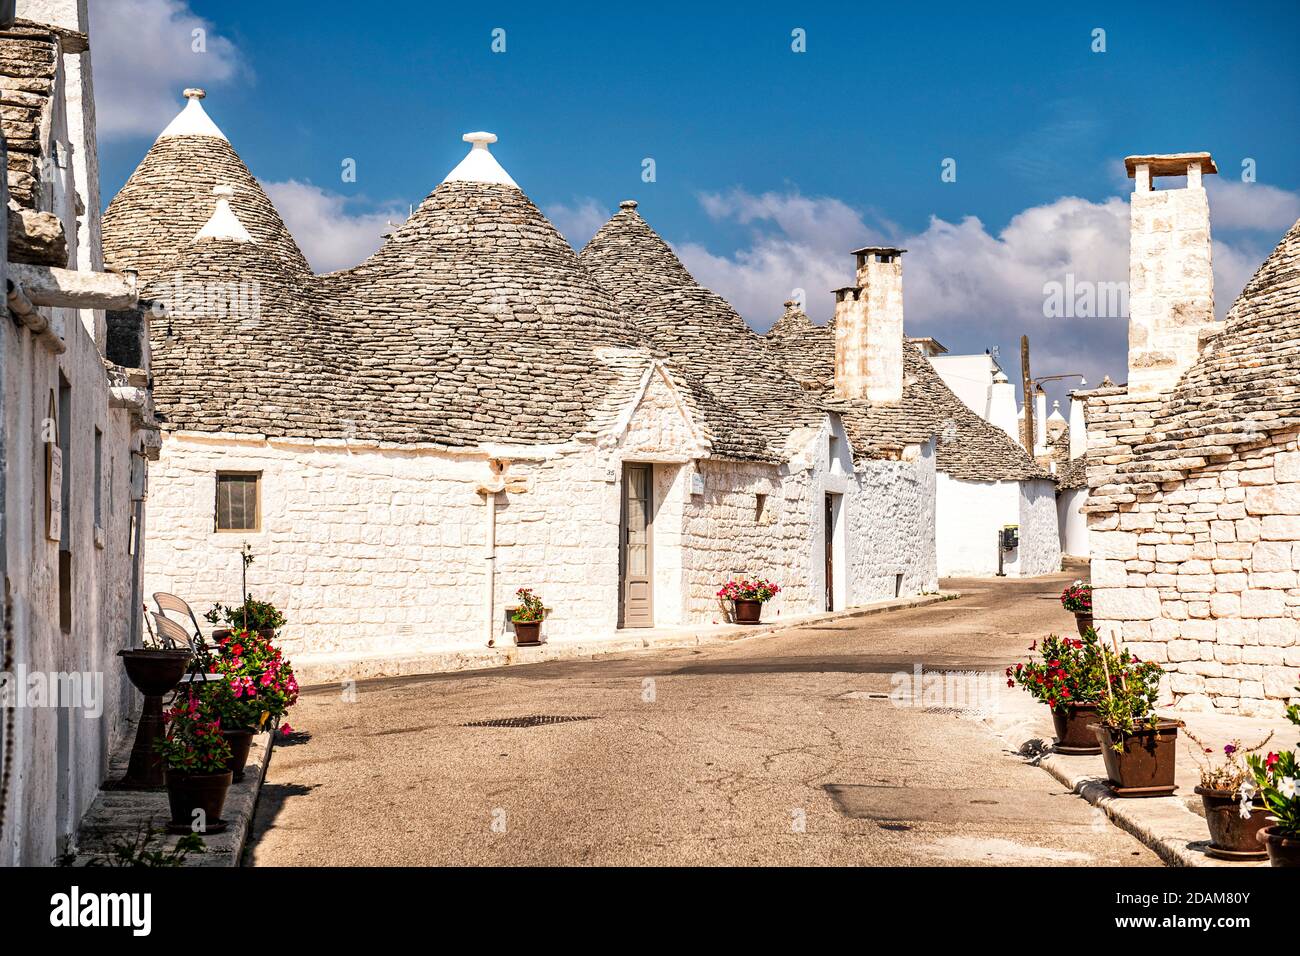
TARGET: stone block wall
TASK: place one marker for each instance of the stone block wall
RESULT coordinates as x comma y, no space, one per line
1202,574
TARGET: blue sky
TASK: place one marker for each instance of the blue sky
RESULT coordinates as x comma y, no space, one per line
770,164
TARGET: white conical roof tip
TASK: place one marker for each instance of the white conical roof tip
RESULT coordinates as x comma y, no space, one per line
480,166
224,224
194,119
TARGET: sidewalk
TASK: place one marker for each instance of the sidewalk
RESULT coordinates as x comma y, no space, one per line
1174,826
118,815
331,668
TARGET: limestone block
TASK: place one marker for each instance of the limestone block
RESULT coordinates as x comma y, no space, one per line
1126,604
1225,605
1261,603
1274,500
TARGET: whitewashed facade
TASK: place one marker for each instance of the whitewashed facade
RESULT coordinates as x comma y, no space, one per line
70,563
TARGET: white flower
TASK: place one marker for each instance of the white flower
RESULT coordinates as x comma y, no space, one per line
1245,809
1287,788
1247,791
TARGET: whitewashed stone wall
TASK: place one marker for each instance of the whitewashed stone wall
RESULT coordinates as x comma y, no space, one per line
1202,577
380,551
374,552
892,529
61,755
970,514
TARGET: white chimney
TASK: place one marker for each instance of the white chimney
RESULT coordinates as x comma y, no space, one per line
1171,279
1078,428
869,328
1002,405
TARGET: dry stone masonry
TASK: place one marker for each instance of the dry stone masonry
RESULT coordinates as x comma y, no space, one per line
1194,474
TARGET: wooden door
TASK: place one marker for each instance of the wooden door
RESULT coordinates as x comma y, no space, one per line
637,547
830,552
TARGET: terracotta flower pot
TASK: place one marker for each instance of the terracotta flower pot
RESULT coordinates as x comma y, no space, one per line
1074,729
1083,621
1231,837
747,611
153,673
1282,850
528,632
1143,766
240,742
187,792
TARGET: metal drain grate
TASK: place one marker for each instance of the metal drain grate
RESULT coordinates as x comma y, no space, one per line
532,720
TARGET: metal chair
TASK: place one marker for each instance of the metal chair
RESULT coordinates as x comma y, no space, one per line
171,634
170,602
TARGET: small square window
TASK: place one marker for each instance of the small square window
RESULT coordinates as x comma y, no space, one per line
239,501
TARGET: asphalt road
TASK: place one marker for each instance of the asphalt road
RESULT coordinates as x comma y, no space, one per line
786,749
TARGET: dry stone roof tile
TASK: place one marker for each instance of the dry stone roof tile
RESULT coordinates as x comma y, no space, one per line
750,404
967,447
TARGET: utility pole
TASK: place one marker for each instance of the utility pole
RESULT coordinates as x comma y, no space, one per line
1027,438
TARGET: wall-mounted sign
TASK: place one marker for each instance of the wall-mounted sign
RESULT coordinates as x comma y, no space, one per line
53,474
697,483
54,492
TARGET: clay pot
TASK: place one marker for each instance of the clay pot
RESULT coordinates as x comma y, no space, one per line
240,742
747,611
1074,729
528,632
1282,850
1231,837
1083,621
153,673
187,792
1144,764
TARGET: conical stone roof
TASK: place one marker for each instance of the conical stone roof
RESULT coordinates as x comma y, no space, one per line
476,321
751,405
168,198
966,446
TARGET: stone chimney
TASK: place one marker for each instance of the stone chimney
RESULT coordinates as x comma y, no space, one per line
1171,281
869,328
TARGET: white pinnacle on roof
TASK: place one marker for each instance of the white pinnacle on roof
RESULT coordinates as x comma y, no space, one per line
193,120
480,166
224,224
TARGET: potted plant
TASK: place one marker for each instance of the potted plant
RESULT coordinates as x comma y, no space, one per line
747,597
528,617
1277,783
1068,678
259,688
154,670
1234,819
1077,599
1139,748
260,617
196,757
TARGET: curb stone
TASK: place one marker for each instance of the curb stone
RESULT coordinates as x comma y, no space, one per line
120,814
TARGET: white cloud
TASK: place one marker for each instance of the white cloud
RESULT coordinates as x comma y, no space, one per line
963,284
329,235
1236,205
145,53
579,220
